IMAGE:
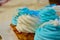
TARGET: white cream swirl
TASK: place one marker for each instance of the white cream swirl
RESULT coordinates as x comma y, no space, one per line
53,22
27,23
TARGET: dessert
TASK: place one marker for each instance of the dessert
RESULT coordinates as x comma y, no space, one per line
26,24
49,31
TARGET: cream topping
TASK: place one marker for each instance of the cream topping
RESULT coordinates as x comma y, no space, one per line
53,22
27,23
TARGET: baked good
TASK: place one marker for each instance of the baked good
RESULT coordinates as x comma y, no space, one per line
27,22
49,31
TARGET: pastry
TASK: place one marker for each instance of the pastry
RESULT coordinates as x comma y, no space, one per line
27,22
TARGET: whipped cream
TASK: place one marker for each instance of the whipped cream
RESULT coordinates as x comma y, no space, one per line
27,23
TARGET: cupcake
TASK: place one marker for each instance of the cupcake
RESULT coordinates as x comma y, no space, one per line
27,22
49,31
46,14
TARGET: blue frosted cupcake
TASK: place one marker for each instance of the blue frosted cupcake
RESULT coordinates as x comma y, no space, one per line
46,14
27,21
48,31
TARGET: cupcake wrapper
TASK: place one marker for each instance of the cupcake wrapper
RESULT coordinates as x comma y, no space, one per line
22,35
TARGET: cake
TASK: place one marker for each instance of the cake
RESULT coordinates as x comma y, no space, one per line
49,31
25,24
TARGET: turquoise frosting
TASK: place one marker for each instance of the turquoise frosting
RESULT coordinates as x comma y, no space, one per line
48,32
14,20
24,11
46,14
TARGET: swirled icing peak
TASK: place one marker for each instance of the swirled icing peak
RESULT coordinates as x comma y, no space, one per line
49,31
28,21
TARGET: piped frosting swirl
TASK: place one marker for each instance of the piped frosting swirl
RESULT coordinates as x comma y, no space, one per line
48,31
28,21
